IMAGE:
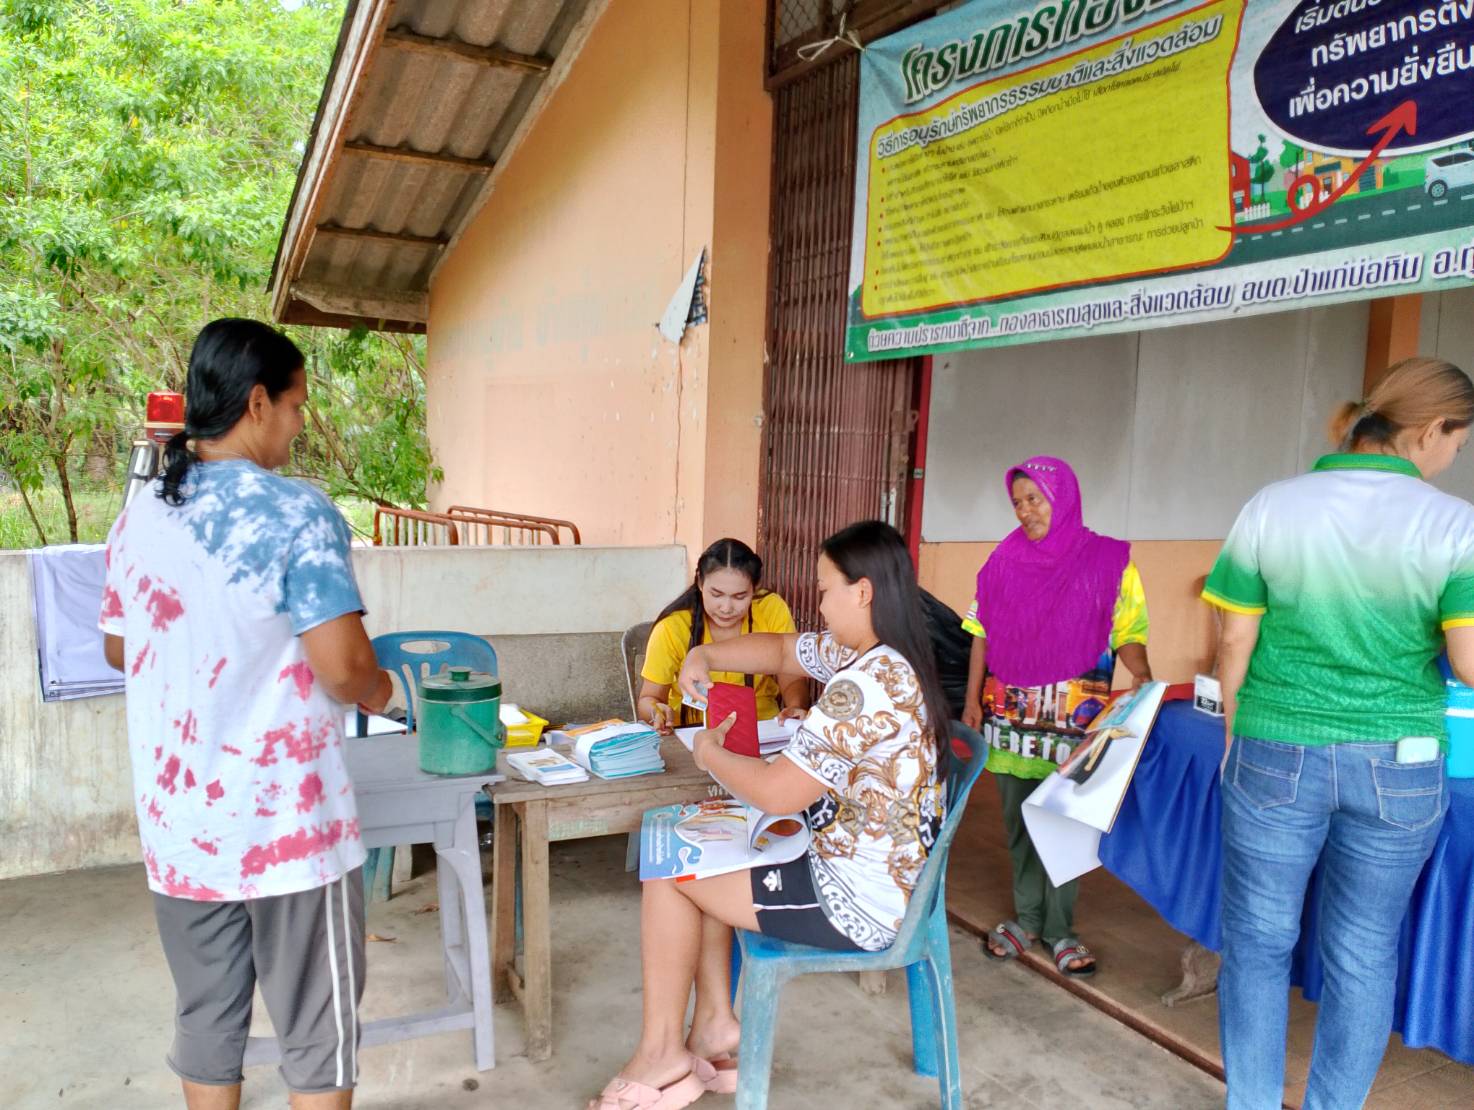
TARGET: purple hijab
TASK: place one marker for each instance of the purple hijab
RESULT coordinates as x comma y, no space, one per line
1047,607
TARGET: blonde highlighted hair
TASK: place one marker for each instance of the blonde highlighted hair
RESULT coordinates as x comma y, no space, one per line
1412,394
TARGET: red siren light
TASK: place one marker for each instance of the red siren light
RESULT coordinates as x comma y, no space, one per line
164,415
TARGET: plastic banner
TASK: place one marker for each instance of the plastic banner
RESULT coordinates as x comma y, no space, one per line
1051,170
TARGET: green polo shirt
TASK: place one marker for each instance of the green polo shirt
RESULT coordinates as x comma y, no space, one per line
1357,568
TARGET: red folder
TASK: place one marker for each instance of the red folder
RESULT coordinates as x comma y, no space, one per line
725,698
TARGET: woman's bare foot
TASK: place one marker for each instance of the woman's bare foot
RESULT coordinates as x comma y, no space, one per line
657,1070
996,947
714,1038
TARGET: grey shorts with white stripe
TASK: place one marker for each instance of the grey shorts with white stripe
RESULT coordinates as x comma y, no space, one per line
307,952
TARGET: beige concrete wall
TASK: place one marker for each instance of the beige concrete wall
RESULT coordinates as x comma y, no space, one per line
554,615
550,390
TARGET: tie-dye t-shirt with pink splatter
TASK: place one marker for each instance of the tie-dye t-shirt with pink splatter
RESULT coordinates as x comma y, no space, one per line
238,771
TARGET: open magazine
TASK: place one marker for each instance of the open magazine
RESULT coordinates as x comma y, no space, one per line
1069,810
714,837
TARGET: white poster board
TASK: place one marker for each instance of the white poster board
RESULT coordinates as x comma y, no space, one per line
1068,811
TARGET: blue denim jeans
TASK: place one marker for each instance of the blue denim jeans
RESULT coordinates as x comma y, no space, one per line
1374,822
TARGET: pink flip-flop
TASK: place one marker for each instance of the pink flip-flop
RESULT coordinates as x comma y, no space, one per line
626,1094
718,1075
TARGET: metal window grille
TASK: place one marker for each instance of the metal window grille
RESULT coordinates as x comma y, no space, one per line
835,436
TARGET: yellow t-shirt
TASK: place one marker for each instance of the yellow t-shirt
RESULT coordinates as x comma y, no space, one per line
670,639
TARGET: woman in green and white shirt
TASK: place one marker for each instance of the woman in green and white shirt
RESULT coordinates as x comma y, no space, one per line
1339,589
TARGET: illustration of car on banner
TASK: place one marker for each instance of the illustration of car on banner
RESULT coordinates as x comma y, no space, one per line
1443,172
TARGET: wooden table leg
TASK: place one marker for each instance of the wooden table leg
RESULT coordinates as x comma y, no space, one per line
503,900
537,955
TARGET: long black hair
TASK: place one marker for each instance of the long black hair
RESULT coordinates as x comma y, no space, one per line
230,357
873,549
725,554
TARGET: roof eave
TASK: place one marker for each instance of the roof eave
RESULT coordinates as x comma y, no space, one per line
363,27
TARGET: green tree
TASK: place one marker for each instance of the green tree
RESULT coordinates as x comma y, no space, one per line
149,152
1262,172
1291,155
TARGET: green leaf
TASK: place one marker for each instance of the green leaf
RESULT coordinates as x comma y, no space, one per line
151,151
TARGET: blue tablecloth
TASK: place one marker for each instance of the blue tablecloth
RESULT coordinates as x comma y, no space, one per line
1166,846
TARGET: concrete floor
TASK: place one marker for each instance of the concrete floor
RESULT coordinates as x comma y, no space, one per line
85,1009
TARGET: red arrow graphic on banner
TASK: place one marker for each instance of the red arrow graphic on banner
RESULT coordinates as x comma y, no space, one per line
1402,118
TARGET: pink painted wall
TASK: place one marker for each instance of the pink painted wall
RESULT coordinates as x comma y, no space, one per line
550,390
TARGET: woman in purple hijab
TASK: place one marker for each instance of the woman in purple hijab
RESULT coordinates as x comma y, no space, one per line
1056,605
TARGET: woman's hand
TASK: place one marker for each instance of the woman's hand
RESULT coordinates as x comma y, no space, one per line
661,717
1133,657
388,696
656,712
695,677
709,740
972,715
792,713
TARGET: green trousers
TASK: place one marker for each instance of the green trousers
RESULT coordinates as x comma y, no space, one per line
1039,906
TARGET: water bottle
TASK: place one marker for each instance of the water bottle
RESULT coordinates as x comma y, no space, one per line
1459,717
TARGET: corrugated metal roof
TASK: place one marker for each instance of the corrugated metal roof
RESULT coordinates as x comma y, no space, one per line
424,102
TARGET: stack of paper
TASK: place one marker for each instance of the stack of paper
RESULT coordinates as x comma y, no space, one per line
773,735
546,767
617,749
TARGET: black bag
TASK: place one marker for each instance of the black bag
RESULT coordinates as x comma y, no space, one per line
952,645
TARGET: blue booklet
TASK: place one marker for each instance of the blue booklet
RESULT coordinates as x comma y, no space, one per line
614,749
714,837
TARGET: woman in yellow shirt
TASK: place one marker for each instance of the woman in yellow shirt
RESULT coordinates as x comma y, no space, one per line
724,601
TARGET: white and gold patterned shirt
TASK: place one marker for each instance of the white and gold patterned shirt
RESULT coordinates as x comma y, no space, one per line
868,741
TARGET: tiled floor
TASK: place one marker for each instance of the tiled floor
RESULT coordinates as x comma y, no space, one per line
1140,960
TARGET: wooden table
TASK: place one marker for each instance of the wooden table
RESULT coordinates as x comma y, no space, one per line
537,816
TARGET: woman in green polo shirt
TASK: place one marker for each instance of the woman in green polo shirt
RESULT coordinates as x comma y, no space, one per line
1339,589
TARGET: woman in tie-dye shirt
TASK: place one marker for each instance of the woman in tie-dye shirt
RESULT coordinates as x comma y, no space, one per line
231,608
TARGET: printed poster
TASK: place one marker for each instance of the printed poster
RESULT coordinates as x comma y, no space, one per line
1052,170
1069,809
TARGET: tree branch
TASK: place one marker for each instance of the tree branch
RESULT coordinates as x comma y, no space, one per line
31,512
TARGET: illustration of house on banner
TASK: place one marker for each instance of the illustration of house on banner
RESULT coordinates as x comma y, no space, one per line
1333,170
1239,180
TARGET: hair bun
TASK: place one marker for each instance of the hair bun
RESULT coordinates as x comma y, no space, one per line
1412,393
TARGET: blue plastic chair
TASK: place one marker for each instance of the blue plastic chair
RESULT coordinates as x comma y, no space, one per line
921,947
413,656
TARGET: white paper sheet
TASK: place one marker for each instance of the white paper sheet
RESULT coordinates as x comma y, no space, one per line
673,323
